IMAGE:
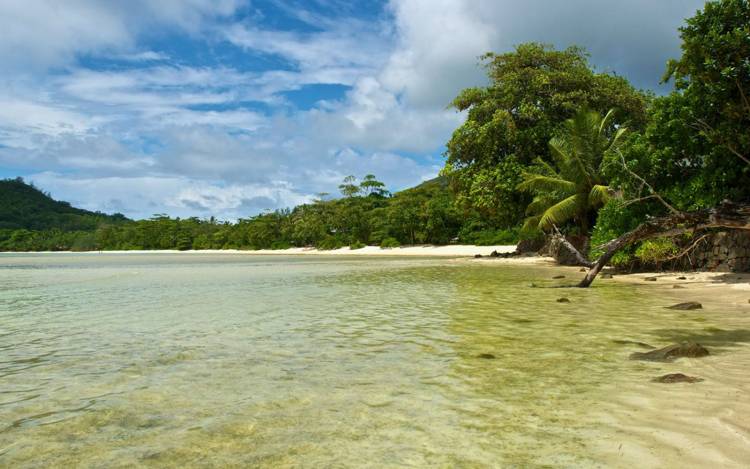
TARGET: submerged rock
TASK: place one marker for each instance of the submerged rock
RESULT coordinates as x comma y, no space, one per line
677,286
686,306
650,279
486,356
677,378
563,300
633,342
672,352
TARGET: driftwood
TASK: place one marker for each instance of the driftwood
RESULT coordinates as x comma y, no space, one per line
579,258
726,215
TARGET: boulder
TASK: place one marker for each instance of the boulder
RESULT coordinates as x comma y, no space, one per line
686,306
672,352
677,378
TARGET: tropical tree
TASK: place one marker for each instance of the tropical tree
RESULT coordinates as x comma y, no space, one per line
531,91
370,186
573,188
349,187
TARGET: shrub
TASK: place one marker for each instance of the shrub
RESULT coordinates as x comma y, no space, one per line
389,243
356,245
280,245
654,251
329,242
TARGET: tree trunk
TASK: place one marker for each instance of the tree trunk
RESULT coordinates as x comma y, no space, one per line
726,215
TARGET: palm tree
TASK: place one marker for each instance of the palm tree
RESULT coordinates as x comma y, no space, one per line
574,186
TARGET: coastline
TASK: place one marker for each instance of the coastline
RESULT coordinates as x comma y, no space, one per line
451,250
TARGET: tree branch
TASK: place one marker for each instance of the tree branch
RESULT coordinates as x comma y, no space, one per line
643,182
725,215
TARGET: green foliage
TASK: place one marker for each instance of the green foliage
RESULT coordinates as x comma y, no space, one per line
654,251
24,206
388,243
574,187
427,213
532,91
356,245
492,237
696,148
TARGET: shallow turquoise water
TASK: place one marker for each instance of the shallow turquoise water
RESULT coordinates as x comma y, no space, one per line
115,360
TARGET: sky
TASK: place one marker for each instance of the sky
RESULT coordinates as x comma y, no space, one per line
233,107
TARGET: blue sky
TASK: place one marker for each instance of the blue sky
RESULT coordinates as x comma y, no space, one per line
231,107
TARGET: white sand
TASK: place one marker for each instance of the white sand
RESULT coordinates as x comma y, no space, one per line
454,250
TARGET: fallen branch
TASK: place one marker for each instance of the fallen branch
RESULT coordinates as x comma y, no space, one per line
726,215
580,258
684,252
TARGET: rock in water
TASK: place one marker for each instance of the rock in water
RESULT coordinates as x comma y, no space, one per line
582,269
672,352
558,276
477,256
633,342
563,300
686,306
650,279
486,356
677,286
677,378
681,278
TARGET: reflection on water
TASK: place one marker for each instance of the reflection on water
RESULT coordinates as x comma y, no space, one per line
230,360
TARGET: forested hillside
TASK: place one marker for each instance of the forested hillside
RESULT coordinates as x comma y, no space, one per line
24,206
366,213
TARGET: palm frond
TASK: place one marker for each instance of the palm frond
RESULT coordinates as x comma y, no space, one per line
540,203
531,223
605,122
562,211
599,195
542,183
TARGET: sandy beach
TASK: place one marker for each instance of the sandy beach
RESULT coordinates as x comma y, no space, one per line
453,250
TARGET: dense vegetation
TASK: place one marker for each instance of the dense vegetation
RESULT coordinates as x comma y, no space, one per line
549,141
365,214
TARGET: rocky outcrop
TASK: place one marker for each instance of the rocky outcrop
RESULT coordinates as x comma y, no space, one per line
560,248
727,251
672,352
686,306
677,378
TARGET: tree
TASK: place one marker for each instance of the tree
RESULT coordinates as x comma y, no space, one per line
696,147
574,187
714,74
370,186
349,187
532,91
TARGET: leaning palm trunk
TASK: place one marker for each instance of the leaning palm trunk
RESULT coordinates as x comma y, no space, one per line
726,215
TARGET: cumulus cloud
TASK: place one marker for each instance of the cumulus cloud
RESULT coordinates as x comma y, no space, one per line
155,131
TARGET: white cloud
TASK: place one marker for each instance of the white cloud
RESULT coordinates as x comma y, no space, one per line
160,133
38,34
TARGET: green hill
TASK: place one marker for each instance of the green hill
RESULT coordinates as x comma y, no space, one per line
23,206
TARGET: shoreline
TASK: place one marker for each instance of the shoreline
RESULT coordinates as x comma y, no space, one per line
450,250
